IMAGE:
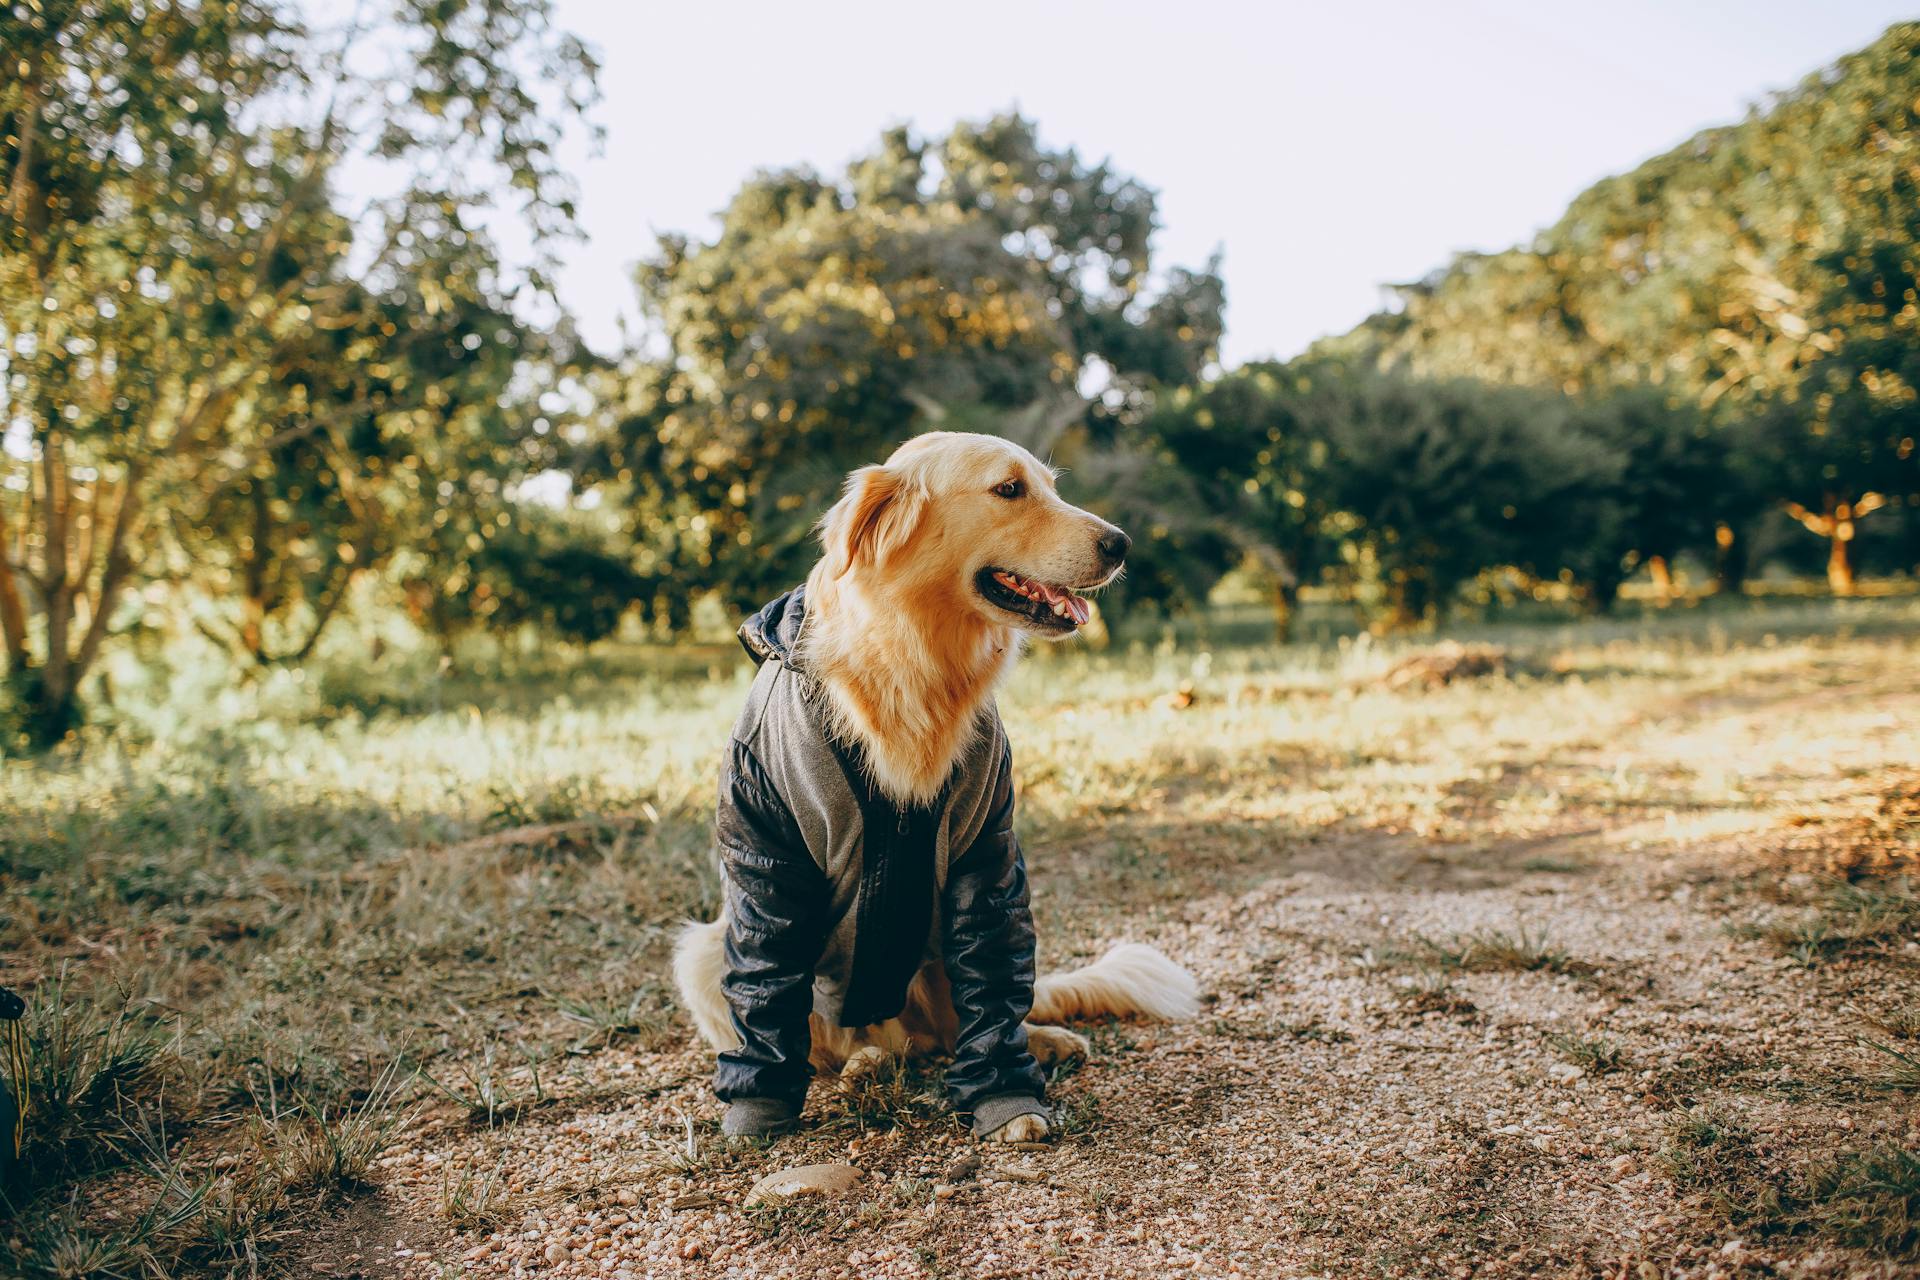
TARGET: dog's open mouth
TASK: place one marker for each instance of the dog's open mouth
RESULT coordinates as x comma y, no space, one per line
1041,603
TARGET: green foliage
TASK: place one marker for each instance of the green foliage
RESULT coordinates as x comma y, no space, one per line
215,370
1409,488
982,273
1254,464
1764,272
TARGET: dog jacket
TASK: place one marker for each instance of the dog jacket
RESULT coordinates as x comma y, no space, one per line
836,896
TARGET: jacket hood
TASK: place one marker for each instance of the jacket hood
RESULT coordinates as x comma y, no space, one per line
774,632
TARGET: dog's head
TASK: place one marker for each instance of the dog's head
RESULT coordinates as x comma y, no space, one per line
971,522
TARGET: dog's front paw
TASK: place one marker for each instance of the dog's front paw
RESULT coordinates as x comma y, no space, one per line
1027,1128
867,1062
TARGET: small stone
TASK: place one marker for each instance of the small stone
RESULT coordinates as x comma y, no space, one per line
1625,1167
806,1180
627,1197
557,1253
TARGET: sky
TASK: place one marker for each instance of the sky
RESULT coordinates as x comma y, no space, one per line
1327,149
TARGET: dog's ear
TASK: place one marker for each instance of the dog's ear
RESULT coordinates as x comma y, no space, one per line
874,517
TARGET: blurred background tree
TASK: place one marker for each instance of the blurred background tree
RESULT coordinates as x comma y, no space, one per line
1765,272
208,360
978,275
234,397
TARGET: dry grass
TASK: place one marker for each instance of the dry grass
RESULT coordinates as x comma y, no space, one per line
260,924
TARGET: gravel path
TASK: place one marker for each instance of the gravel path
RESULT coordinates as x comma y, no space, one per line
1419,1058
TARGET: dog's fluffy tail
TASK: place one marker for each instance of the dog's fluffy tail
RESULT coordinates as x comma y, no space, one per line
1133,979
699,964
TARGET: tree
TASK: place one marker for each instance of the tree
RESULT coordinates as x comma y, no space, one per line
1655,481
982,273
1843,442
1437,481
1255,455
171,246
1763,271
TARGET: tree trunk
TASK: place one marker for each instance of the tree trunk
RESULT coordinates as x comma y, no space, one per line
1662,576
13,613
1600,595
1836,524
1286,607
1729,559
253,598
55,687
1840,559
1411,603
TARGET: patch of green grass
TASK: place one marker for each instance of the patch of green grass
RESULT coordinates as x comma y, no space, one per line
1869,1198
1554,866
1711,1152
1597,1054
1110,1038
473,1195
1078,1116
1310,1029
1434,993
913,1193
1902,1069
1491,950
328,1150
492,1095
609,1019
802,1215
94,1068
1314,1030
1867,918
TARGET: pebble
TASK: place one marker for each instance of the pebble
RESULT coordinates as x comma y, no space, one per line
806,1180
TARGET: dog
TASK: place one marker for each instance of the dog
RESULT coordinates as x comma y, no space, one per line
875,895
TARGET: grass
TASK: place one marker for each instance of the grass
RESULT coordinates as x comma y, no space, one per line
93,1071
1902,1022
473,1195
264,919
1874,917
897,1096
799,1216
1490,950
1867,1196
1901,1067
1712,1152
1596,1055
488,1095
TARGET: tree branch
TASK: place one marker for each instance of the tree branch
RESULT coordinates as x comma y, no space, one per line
17,195
1813,520
119,564
13,613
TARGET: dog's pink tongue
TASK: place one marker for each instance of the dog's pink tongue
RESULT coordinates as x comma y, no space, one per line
1080,610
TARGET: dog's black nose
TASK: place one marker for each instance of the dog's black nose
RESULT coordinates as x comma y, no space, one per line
1113,546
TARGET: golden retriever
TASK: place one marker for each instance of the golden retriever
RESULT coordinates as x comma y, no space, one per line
938,565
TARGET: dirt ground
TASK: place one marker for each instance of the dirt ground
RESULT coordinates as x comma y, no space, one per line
1648,1039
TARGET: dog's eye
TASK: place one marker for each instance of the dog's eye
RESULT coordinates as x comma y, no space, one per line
1011,489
